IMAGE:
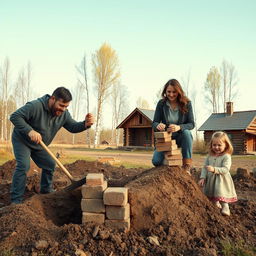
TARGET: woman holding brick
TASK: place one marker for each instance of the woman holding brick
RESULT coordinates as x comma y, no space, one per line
174,114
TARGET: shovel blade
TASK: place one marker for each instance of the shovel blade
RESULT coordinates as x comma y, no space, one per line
75,184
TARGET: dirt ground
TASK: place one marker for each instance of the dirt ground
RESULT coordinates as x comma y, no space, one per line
165,203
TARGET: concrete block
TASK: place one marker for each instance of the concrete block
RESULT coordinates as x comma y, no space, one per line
94,192
94,179
118,224
117,196
98,218
118,212
93,205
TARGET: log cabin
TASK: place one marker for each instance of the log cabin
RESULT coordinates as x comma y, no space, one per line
240,127
137,127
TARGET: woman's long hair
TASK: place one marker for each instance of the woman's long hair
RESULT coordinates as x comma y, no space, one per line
182,99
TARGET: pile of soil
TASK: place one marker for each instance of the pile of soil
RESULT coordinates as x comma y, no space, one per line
169,216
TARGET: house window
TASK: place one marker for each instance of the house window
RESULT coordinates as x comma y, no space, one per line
140,119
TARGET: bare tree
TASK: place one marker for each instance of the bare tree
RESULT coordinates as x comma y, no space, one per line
229,81
82,71
212,88
76,103
232,81
185,83
119,108
106,73
194,101
23,88
5,81
142,103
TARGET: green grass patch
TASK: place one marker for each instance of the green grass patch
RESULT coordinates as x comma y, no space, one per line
237,249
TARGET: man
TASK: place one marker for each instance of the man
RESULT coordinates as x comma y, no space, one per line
35,121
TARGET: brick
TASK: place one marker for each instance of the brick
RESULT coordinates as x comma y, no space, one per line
173,152
172,162
98,218
94,192
118,212
94,179
175,157
162,134
117,196
166,148
118,224
93,205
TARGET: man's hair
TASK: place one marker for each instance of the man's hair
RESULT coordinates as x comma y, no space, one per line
62,93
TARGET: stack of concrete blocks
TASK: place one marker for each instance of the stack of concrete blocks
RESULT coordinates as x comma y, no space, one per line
105,205
92,204
117,208
164,143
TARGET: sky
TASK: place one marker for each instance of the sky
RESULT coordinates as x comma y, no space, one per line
155,40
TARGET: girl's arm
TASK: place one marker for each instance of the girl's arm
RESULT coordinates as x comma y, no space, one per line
225,165
204,171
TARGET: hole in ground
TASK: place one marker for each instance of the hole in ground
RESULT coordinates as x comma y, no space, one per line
63,207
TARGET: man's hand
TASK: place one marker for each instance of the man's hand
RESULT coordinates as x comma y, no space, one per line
209,168
173,128
161,127
201,182
35,136
89,120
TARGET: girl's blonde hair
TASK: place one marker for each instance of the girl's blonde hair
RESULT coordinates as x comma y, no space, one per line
224,138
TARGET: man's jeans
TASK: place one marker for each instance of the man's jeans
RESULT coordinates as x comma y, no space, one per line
184,140
42,159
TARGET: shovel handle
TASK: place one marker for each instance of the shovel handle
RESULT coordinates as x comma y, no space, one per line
62,167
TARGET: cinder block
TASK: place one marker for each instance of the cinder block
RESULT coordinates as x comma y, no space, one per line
118,224
93,205
117,196
94,192
98,218
94,179
118,212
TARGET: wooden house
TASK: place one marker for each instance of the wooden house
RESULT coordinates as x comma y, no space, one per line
138,128
240,127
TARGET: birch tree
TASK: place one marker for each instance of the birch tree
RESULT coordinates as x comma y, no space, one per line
106,74
83,81
212,88
5,82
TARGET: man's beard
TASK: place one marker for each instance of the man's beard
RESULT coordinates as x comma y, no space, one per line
56,111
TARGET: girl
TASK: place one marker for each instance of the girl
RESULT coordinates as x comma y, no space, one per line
215,175
174,114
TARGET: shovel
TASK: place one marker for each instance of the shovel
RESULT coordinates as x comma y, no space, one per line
74,183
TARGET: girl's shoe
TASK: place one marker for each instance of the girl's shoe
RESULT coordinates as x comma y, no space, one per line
225,209
217,203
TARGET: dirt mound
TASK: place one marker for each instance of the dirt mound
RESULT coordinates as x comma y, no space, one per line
165,203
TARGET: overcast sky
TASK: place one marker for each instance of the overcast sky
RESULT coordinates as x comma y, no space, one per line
154,40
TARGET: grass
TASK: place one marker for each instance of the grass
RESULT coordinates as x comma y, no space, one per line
237,249
5,155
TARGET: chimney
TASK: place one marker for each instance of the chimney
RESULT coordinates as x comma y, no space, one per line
229,107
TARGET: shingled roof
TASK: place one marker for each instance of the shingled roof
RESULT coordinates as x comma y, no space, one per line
237,121
147,113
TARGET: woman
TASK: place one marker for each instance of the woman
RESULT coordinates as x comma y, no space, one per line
174,114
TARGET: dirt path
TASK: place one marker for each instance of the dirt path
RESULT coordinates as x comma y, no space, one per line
247,162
